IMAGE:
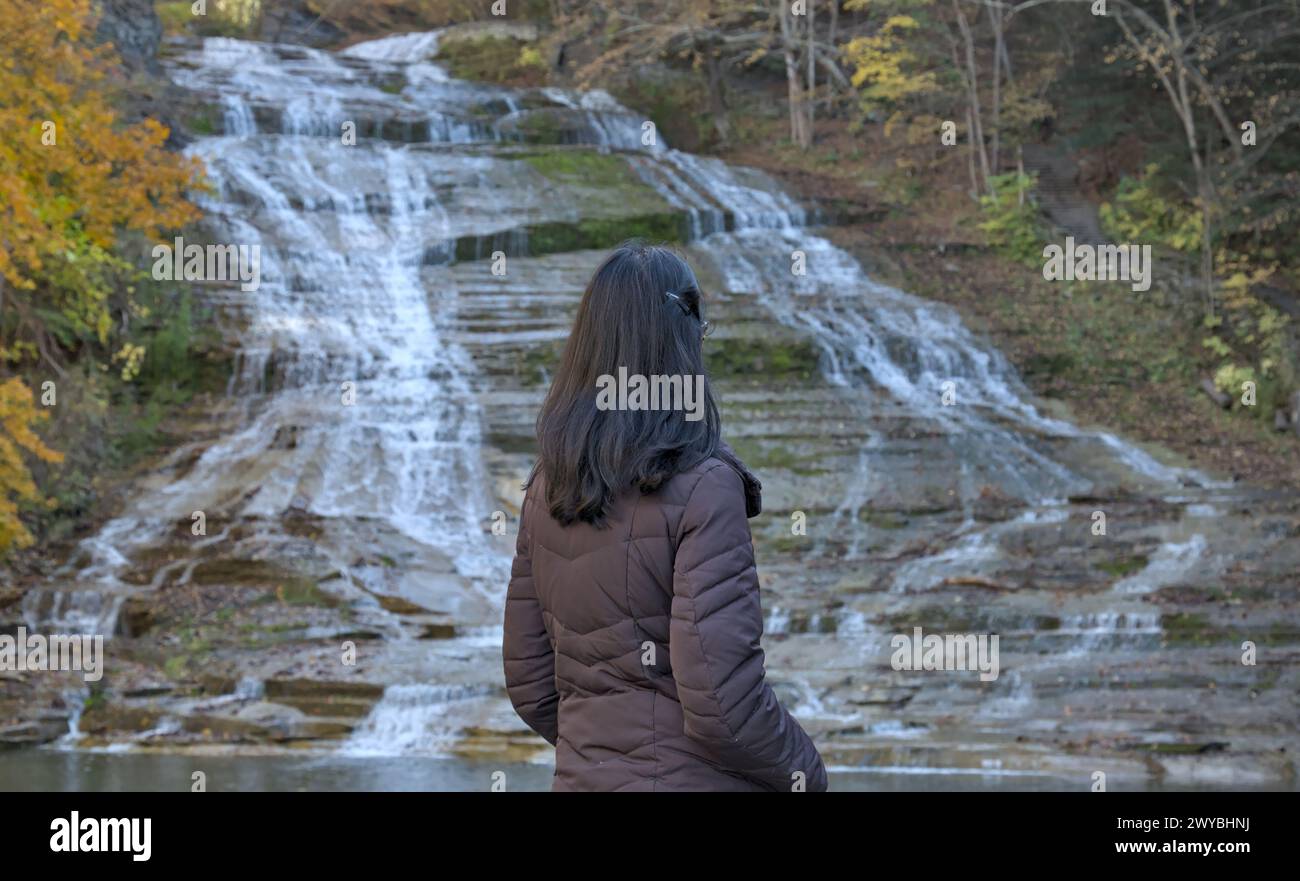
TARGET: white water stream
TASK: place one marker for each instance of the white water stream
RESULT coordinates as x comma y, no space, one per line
346,233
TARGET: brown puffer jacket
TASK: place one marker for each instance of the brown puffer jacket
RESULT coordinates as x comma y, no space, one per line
634,649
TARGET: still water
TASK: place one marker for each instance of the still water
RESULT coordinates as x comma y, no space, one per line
43,770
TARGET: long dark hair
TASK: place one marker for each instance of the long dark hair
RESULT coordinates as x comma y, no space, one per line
641,311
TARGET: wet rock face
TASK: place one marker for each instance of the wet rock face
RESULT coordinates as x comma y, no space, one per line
346,592
134,29
290,21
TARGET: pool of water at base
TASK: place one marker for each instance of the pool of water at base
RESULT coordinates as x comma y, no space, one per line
49,770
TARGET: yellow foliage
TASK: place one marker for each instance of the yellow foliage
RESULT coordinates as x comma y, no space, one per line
132,358
71,175
241,13
529,56
18,414
884,68
1144,212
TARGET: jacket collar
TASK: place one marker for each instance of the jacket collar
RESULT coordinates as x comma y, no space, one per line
753,486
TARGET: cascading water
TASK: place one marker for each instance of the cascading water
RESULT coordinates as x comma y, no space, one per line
343,347
361,395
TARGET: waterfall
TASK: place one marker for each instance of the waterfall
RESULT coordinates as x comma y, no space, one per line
361,395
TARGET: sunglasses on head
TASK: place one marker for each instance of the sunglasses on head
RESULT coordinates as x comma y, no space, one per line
705,327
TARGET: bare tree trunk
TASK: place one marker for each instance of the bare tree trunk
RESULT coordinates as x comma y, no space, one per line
811,96
718,99
798,119
1172,44
1020,174
1204,186
972,88
970,155
999,48
1206,196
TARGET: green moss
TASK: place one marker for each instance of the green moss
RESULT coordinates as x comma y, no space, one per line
178,18
175,17
1180,749
607,188
587,234
1190,629
897,188
202,121
287,628
299,591
537,362
393,83
1124,565
761,455
176,667
882,519
787,543
934,619
97,699
602,183
494,60
233,571
584,167
760,360
541,128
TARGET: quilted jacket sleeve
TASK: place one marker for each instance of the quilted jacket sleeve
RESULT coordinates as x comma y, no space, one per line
714,644
526,646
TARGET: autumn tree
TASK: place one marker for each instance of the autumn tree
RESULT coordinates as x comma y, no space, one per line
73,179
718,38
17,416
1228,73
